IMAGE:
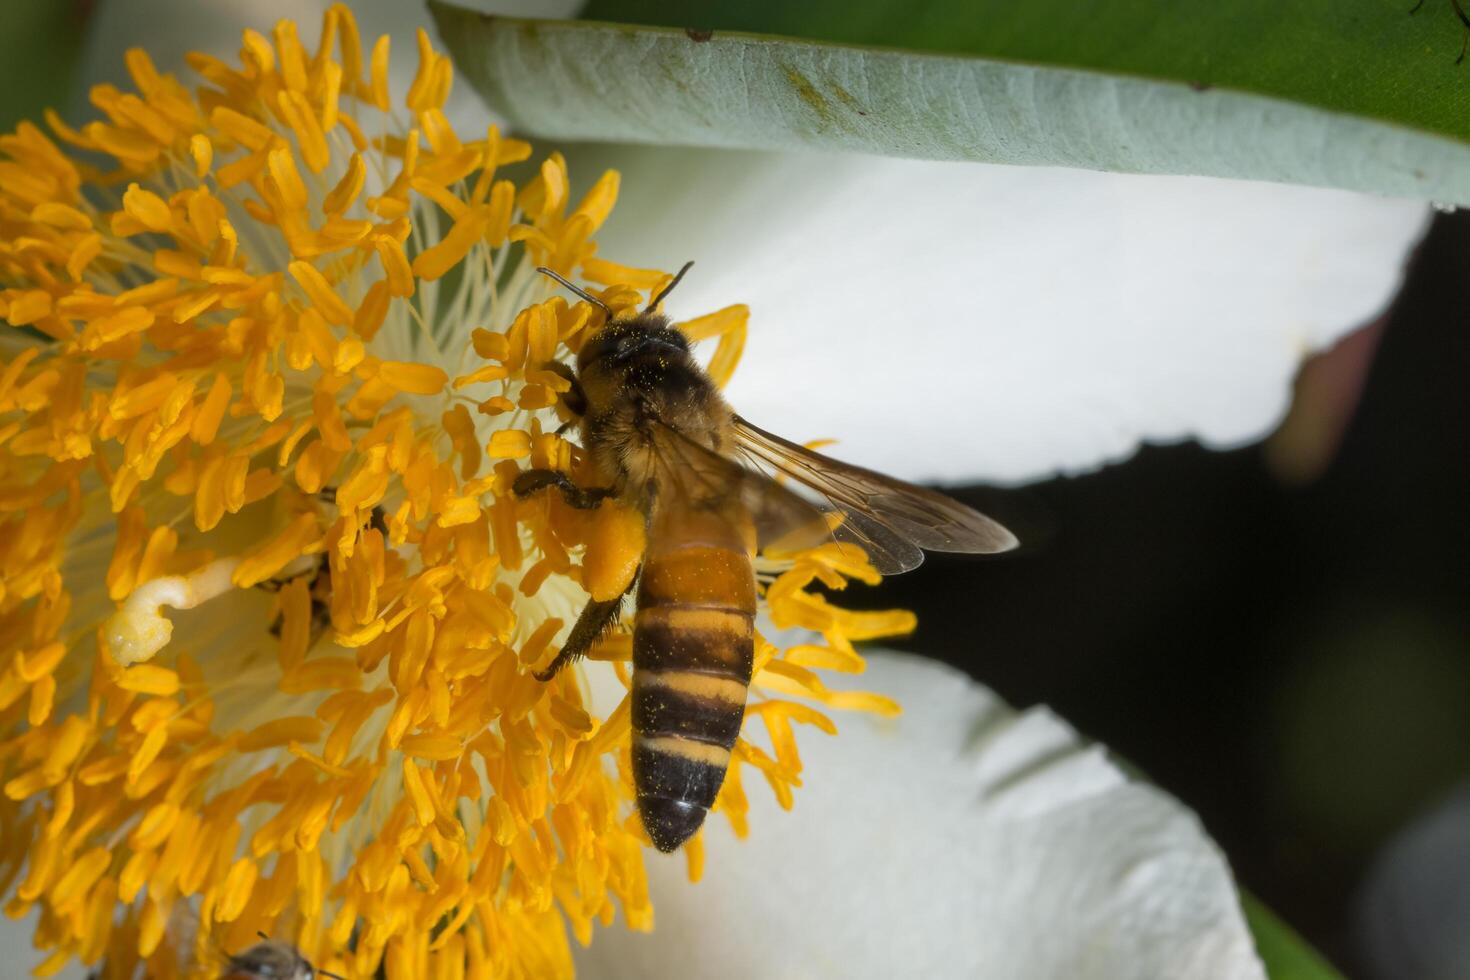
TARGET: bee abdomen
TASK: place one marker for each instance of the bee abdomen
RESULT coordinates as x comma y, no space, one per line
685,704
693,649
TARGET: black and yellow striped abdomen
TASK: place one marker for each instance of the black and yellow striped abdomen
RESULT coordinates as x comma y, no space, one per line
693,647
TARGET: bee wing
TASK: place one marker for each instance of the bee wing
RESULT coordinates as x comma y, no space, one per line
895,517
704,478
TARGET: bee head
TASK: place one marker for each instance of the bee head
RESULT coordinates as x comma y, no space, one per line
270,959
620,341
275,960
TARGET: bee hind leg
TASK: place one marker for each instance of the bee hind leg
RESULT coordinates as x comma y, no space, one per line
596,619
533,481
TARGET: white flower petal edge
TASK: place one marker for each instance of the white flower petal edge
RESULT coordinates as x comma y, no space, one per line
959,321
963,839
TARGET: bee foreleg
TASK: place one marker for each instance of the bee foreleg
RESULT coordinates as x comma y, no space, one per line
574,398
597,618
533,481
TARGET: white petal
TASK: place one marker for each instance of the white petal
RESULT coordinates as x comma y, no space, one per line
962,840
16,948
958,321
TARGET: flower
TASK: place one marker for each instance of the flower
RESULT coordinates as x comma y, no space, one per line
902,197
271,610
996,843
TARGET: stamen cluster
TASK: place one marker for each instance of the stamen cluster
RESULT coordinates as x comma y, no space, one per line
269,612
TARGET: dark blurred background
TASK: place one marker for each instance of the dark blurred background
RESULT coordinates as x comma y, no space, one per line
1280,635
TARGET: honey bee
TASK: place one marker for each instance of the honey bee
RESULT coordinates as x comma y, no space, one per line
662,439
271,960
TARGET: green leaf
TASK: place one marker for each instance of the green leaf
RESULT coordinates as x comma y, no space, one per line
1286,955
40,41
1137,86
1368,58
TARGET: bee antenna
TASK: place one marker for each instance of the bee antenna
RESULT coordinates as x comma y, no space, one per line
262,935
577,289
653,303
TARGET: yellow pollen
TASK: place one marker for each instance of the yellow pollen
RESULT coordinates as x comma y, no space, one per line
274,350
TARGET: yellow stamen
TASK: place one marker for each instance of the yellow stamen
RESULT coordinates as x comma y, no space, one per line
280,361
